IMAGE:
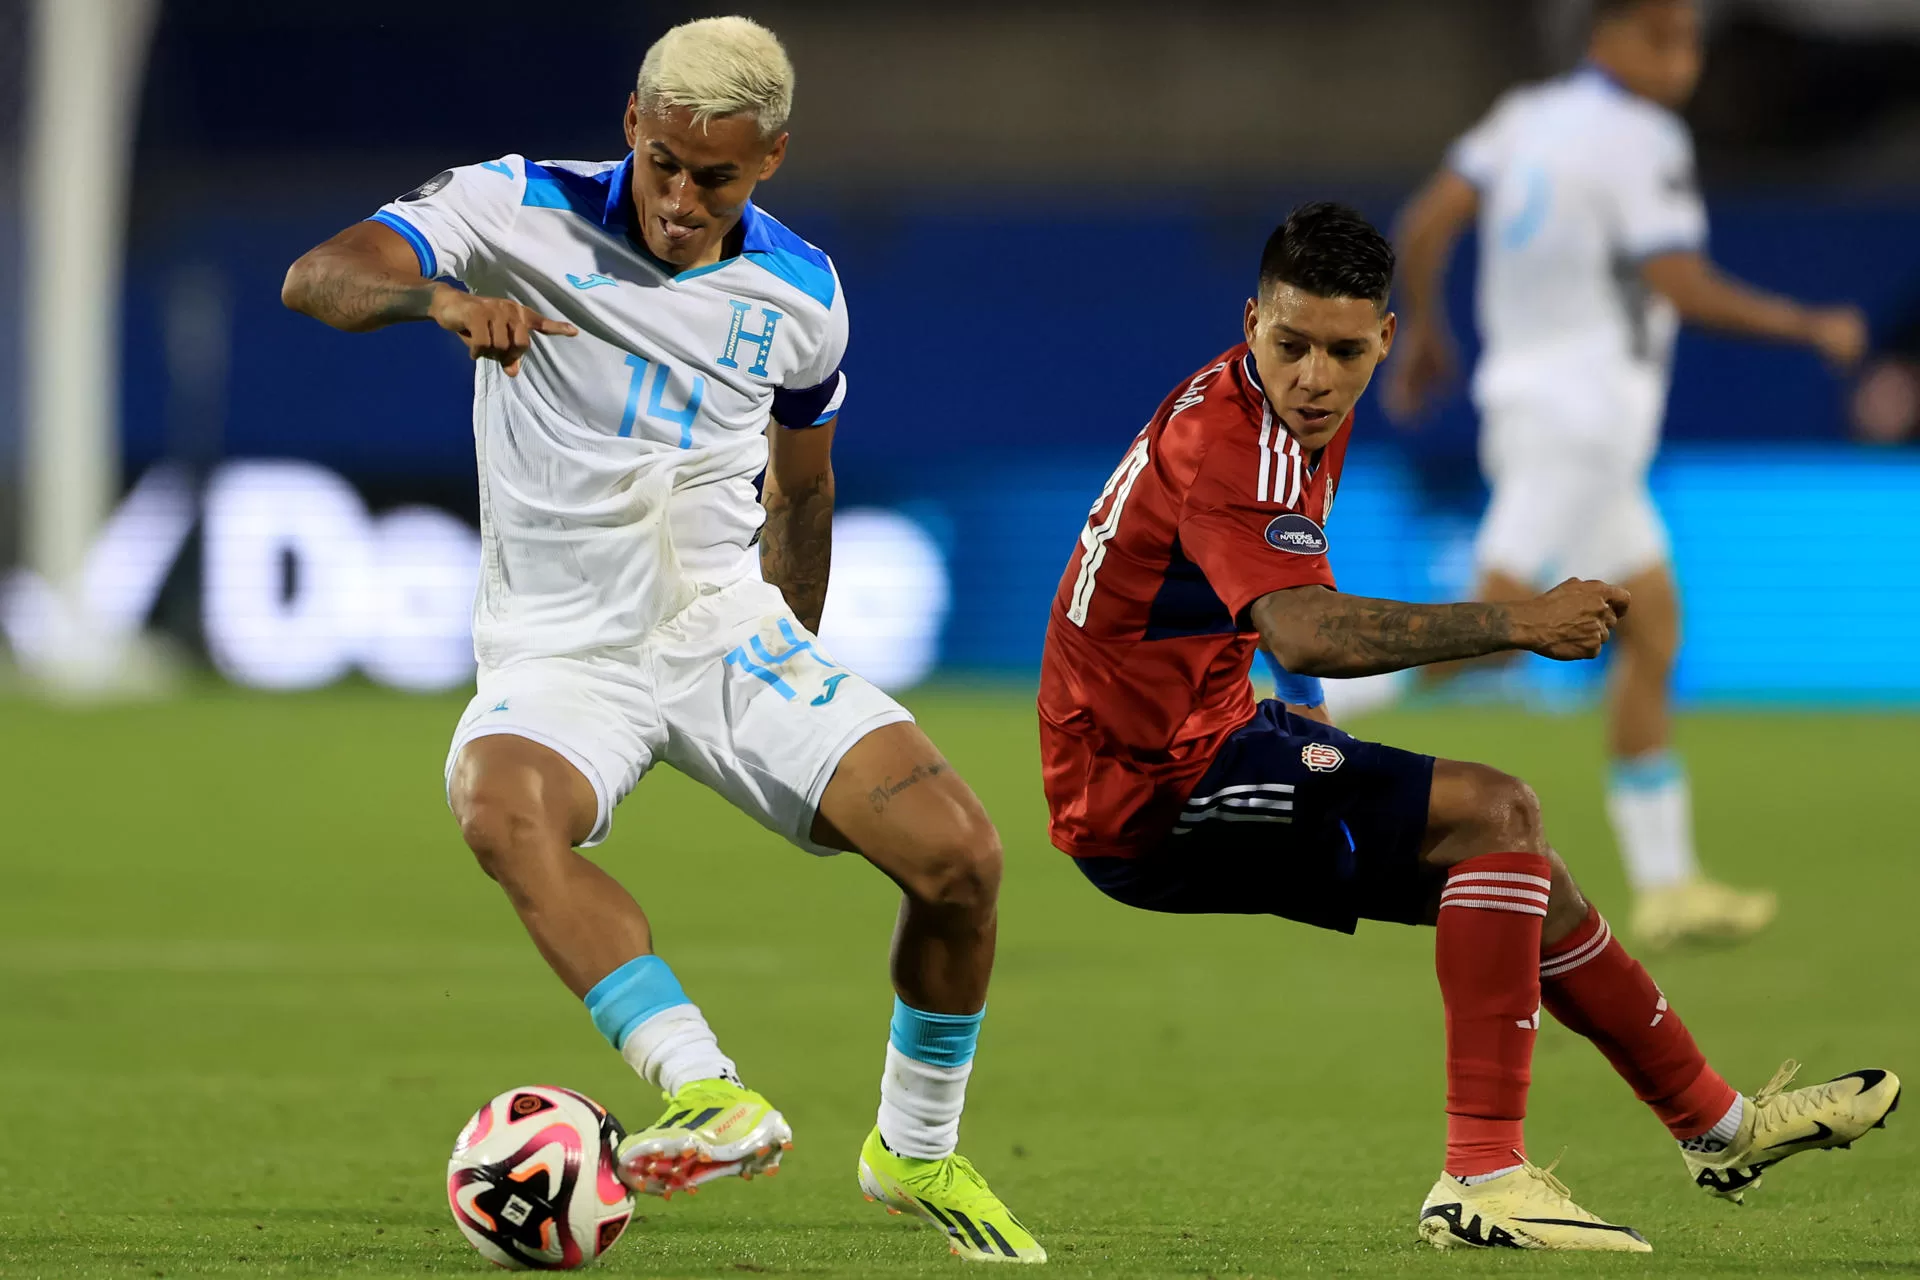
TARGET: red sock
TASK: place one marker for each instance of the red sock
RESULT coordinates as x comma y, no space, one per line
1487,954
1590,983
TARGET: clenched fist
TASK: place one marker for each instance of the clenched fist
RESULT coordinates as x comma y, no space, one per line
493,328
1572,621
1839,334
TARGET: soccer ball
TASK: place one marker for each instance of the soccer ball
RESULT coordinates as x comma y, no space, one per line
532,1180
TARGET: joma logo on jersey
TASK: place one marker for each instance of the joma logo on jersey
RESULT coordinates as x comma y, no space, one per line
737,334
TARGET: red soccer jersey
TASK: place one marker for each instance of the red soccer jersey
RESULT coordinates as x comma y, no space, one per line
1149,645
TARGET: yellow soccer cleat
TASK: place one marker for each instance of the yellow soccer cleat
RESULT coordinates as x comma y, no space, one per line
1700,911
1526,1209
1778,1124
710,1129
951,1195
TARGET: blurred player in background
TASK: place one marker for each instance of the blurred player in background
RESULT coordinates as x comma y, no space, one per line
1174,791
648,343
1593,249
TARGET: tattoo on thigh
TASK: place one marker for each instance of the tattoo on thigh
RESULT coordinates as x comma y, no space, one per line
888,788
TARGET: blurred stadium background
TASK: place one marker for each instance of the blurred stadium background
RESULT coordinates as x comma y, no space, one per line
1044,216
226,901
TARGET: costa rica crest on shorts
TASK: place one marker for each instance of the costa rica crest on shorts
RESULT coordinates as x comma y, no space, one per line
1321,758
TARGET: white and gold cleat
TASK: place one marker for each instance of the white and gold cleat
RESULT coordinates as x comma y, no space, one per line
1778,1123
1700,911
710,1129
1528,1208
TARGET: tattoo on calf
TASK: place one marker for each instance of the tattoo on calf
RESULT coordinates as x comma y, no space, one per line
888,788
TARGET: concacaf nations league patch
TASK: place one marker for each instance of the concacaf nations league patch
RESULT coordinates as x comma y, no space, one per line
1296,533
428,187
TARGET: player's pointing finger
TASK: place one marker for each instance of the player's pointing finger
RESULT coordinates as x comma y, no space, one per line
559,328
519,334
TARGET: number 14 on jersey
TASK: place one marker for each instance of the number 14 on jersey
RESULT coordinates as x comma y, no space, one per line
656,395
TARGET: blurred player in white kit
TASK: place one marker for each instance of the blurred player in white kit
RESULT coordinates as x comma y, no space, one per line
1592,251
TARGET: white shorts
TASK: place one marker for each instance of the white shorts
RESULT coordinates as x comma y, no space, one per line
732,691
1564,507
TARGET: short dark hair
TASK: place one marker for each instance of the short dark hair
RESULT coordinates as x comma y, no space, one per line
1329,250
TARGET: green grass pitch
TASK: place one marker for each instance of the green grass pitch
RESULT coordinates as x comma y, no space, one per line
251,985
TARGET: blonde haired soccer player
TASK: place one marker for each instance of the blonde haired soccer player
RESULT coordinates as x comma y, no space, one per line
1593,249
647,342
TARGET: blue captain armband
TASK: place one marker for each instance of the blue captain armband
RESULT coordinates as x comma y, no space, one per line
810,406
1297,691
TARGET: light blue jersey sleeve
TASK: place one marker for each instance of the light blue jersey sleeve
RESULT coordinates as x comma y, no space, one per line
457,220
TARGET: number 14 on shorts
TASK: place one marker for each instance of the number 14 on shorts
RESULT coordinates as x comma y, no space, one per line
777,669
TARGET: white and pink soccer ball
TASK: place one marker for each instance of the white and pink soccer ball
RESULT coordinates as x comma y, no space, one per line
532,1180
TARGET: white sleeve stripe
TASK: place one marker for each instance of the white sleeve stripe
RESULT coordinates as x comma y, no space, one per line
1266,435
833,405
1487,904
1487,891
1508,877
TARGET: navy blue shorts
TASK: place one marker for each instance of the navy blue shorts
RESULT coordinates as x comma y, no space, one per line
1294,818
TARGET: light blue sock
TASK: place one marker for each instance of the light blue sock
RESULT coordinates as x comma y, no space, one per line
1648,772
1651,810
630,995
937,1039
924,1088
670,1052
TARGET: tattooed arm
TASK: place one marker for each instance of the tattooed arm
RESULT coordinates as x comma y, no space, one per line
796,544
364,278
367,277
1319,632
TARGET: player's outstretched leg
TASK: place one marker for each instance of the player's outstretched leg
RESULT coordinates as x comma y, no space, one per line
1502,884
1648,799
1590,983
522,807
902,807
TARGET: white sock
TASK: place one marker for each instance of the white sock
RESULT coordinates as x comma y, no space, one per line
1475,1179
1724,1131
1652,812
674,1048
920,1106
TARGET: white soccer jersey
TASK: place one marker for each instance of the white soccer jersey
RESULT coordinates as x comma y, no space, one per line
617,470
1580,183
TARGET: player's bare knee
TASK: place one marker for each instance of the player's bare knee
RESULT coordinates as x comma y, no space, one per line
961,871
1479,809
1503,814
504,833
1649,659
1515,811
